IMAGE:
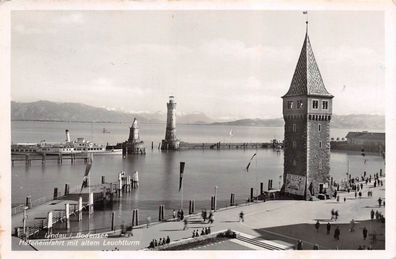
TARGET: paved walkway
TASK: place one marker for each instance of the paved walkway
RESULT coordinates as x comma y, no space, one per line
258,216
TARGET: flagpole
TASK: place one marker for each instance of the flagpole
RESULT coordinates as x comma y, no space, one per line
181,198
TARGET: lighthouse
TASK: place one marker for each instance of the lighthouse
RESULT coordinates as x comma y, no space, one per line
170,142
307,111
134,132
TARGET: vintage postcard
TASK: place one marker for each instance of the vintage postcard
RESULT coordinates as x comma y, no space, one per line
218,127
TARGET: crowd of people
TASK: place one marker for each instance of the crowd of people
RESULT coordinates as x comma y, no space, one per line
205,216
162,241
204,231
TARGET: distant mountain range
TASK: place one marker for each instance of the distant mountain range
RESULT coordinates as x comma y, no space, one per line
52,111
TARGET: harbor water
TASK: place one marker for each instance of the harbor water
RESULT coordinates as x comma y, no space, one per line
159,171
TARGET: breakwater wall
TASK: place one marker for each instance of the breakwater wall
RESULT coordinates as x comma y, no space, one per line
225,146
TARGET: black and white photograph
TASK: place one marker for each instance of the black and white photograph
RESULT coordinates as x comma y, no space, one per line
198,129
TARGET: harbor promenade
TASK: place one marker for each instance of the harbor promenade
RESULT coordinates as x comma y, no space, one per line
285,221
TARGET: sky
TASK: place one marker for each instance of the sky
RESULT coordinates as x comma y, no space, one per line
226,64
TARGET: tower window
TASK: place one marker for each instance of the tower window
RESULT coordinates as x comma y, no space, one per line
320,144
299,104
315,104
294,127
319,127
325,105
290,105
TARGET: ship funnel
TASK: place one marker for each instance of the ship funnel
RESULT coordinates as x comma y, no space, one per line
67,136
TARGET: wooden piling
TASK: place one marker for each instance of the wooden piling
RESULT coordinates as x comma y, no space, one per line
161,213
212,202
152,145
251,194
80,208
135,217
232,199
91,203
103,180
49,222
67,214
28,202
261,188
66,189
112,220
55,193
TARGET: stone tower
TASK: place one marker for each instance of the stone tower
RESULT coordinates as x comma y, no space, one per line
134,132
134,145
307,110
170,142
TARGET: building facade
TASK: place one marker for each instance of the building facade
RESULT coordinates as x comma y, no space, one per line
307,110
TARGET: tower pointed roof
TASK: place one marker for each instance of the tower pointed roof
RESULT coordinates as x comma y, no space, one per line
307,79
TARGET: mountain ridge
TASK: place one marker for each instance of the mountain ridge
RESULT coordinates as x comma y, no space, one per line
77,112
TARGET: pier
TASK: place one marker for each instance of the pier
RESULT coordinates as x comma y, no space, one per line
29,157
32,219
226,146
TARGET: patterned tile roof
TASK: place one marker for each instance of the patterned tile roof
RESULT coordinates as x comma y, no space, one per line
307,79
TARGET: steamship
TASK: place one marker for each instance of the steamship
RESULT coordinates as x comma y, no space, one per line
81,145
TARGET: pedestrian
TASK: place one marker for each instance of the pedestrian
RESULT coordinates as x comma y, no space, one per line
360,195
332,214
361,186
155,242
300,245
167,239
379,201
344,199
206,231
181,214
337,233
317,225
193,234
174,214
202,232
336,214
338,198
328,227
241,217
355,194
148,221
211,217
372,214
185,224
352,229
364,233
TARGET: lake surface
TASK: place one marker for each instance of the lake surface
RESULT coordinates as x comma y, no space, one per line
159,171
